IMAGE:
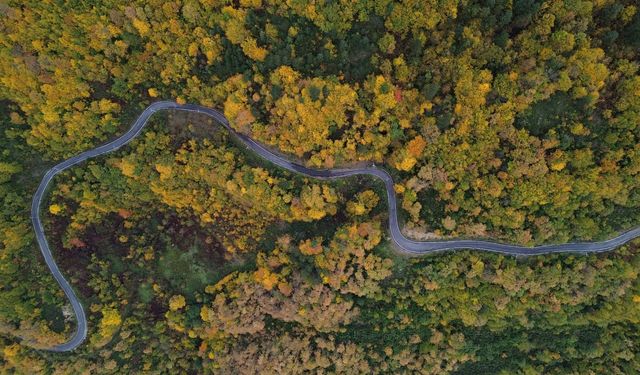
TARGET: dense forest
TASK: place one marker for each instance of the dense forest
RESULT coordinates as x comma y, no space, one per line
511,120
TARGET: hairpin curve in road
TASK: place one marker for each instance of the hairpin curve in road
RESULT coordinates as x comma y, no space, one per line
404,244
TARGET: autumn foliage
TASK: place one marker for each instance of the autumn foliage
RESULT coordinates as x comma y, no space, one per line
515,121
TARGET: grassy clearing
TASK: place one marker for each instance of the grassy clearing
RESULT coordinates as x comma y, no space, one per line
548,114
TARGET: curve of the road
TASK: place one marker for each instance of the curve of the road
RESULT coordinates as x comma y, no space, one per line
404,244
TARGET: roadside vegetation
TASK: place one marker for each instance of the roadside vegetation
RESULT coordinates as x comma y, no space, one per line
516,121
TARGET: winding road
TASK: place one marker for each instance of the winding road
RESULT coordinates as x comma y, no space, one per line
404,244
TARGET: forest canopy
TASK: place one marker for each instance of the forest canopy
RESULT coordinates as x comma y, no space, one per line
510,120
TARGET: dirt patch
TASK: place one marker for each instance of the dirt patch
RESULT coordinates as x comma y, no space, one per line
190,125
419,234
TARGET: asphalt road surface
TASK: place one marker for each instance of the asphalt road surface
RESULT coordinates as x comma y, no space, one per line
404,244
